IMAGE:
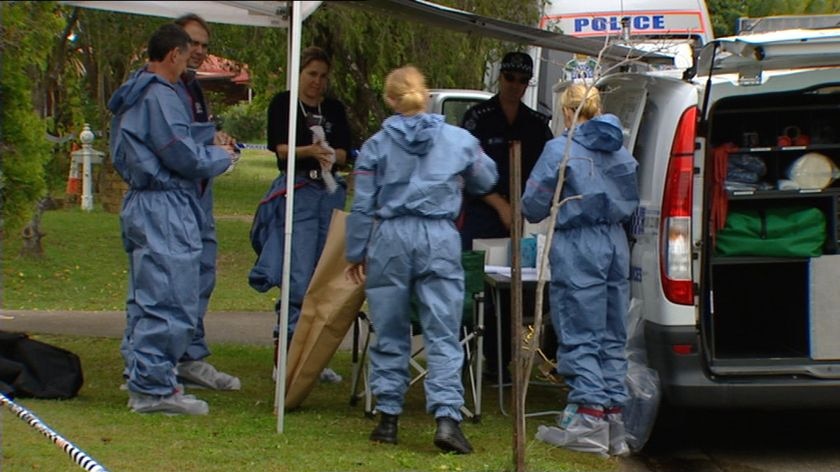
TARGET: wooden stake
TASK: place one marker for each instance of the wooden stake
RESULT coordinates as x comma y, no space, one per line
519,377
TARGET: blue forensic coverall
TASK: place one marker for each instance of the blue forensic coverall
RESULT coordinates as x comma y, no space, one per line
311,222
203,132
161,219
409,179
590,258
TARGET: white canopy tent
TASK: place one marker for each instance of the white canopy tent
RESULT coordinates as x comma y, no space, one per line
273,14
290,15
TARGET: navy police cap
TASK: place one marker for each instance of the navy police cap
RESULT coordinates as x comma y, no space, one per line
518,62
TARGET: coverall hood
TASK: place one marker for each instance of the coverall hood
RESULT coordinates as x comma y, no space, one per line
133,90
414,134
601,133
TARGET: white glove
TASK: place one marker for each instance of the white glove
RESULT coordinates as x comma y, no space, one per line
319,138
329,180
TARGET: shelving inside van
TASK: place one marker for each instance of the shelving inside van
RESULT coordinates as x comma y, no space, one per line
761,310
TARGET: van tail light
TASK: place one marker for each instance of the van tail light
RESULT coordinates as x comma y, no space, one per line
675,233
682,349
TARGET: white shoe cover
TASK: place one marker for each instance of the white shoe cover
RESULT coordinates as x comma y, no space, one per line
584,433
179,388
330,376
203,374
175,404
618,436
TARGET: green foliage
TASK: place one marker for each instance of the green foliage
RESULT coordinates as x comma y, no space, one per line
263,49
725,13
109,46
246,121
26,27
366,44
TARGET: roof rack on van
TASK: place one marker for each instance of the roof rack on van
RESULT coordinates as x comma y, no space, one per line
789,49
747,25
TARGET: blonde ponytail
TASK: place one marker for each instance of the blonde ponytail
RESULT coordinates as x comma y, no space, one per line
578,93
405,90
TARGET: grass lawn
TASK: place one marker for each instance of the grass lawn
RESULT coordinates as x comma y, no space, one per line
325,434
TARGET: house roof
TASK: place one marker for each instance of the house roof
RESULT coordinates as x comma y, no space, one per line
220,68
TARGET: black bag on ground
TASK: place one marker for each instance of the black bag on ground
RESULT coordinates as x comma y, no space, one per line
36,369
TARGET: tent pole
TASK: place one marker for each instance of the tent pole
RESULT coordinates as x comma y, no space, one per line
292,77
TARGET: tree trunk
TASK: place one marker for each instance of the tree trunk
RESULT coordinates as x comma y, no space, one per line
32,234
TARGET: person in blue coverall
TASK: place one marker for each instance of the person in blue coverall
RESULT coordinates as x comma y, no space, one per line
193,368
154,151
402,242
590,269
322,142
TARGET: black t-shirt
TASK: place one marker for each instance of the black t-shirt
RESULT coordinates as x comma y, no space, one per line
487,122
330,114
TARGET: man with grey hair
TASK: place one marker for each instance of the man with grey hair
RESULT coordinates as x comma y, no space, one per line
193,369
153,149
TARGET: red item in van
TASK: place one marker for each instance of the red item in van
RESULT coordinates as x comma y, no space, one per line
720,202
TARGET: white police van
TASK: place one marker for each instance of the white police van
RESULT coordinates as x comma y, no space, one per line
748,331
743,329
674,27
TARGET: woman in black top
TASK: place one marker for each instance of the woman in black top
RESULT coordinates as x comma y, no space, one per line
313,109
322,143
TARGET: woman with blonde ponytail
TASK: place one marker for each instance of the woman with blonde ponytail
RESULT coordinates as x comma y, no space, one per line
402,243
405,91
590,268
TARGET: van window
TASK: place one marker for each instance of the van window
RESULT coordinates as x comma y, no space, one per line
628,107
638,115
453,109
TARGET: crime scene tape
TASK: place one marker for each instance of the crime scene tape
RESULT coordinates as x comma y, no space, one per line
79,456
260,147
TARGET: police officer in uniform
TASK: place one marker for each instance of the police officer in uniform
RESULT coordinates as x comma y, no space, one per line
498,121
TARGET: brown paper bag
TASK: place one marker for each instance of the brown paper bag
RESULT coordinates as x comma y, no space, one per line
329,308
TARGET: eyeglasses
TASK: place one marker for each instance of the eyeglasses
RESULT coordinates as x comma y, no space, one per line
196,44
516,78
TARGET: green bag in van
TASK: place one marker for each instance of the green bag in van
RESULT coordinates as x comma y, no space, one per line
773,232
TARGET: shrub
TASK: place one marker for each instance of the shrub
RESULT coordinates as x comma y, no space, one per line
26,29
245,121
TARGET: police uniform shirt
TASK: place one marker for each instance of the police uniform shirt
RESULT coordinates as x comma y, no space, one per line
330,114
487,122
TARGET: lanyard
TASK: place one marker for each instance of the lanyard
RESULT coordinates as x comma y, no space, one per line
304,109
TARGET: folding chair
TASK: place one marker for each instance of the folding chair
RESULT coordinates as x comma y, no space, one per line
499,283
472,339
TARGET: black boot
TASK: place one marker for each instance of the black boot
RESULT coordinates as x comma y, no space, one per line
450,438
386,430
